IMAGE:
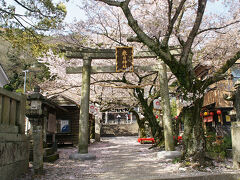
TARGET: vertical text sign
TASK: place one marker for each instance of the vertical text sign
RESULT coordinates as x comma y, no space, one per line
124,59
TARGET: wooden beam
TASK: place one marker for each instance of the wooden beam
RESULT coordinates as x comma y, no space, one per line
105,54
71,52
109,69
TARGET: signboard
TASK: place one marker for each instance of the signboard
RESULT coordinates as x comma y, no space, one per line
64,126
91,108
124,59
208,119
156,104
228,118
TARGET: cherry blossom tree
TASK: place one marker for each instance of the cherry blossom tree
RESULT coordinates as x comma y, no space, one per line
200,34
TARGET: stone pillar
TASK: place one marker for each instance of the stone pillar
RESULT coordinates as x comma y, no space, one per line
44,128
84,114
54,142
178,105
37,149
97,128
106,117
84,107
131,118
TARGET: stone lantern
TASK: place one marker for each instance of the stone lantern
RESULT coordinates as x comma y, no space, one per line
35,115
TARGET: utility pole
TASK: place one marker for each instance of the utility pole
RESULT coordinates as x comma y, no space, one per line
25,80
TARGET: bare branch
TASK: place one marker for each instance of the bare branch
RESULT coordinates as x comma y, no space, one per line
128,86
25,7
154,81
31,10
133,39
13,14
111,3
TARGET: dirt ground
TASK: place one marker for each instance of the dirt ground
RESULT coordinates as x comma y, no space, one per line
121,158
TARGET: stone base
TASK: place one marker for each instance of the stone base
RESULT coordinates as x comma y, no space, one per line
82,157
97,137
169,155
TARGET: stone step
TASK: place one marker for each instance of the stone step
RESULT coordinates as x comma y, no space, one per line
51,158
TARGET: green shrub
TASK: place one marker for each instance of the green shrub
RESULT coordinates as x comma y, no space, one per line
218,145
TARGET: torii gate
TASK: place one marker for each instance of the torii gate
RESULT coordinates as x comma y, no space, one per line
88,55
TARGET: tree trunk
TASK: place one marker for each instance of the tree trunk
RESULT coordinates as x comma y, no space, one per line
154,125
193,138
141,125
149,116
165,102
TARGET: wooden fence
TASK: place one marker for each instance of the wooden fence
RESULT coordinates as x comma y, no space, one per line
12,112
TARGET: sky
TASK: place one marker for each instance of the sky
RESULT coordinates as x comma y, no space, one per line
73,11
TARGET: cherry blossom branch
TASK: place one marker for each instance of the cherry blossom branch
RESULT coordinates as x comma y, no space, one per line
172,21
219,75
218,28
194,31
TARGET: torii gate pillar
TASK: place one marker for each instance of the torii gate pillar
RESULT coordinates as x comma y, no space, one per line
84,107
84,114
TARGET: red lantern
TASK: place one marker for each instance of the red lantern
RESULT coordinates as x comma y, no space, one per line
211,113
219,112
156,116
201,114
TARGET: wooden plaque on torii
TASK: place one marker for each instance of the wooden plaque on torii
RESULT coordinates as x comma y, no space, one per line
124,59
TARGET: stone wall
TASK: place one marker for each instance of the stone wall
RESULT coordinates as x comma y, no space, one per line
13,155
13,141
119,129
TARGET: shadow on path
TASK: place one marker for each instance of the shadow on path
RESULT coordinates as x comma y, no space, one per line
120,158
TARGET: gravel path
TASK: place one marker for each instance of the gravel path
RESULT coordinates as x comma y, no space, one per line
121,158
